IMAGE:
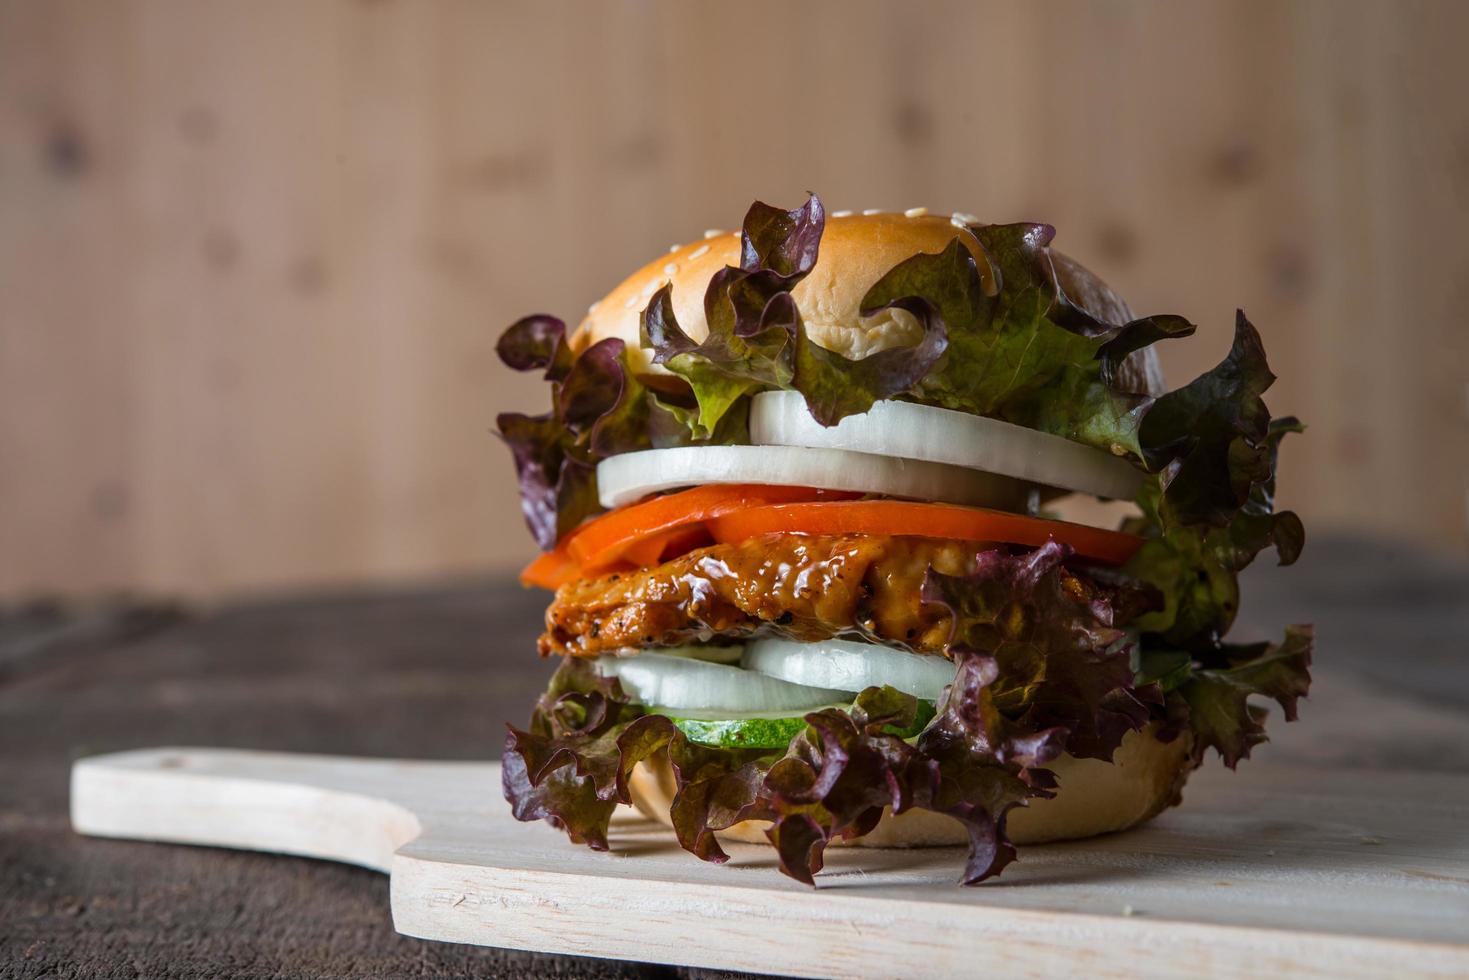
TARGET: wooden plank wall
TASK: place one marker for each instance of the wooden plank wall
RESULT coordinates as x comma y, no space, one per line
254,255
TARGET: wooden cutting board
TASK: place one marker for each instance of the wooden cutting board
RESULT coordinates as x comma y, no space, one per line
1271,871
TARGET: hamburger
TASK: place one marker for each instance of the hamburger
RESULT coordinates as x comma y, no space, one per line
797,497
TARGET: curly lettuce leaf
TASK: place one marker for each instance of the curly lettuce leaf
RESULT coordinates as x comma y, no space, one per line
715,791
721,371
1063,660
536,443
567,767
983,763
1258,525
1209,440
553,460
757,339
1219,713
836,778
599,408
1196,567
748,311
835,386
968,763
1017,348
570,767
1024,352
1133,337
1003,347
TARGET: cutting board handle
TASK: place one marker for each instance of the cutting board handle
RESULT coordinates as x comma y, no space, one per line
330,807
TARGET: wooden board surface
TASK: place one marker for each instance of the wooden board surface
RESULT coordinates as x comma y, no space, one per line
1281,871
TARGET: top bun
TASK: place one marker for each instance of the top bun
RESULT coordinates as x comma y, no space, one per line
856,251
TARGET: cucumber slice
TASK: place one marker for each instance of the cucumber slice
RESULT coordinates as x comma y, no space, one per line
849,666
681,684
742,733
772,733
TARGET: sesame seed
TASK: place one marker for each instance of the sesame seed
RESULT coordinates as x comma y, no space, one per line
714,232
698,251
630,302
841,214
674,248
963,217
872,211
915,212
593,308
651,287
670,268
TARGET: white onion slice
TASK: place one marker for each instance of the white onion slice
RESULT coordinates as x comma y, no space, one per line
628,477
715,690
849,666
944,436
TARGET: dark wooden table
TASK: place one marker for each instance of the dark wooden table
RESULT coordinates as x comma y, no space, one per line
434,673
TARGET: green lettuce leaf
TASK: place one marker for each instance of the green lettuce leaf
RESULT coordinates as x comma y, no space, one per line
757,340
1210,440
835,386
1258,525
1217,696
1195,567
725,368
1003,348
1133,337
748,310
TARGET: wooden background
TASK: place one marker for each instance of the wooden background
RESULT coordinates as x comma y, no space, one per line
254,256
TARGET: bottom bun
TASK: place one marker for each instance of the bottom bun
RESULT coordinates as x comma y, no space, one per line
1145,777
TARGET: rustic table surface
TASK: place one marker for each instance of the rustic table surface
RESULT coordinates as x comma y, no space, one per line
434,673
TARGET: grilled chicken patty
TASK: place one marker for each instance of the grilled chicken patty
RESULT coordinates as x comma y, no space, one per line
803,587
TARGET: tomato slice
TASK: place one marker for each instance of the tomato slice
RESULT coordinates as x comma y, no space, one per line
605,540
550,570
647,533
655,550
906,518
